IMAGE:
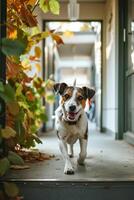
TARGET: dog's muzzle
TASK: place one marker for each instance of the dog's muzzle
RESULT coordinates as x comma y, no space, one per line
72,108
72,115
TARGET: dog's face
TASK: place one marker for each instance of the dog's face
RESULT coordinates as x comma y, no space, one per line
73,98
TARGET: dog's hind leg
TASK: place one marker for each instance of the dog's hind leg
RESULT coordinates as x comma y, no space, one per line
70,150
68,169
83,151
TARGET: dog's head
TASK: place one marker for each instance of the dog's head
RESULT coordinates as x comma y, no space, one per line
73,98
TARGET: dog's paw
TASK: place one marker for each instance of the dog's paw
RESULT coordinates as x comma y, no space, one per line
80,161
68,170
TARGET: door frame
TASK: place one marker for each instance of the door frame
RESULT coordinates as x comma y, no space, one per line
122,63
128,135
101,128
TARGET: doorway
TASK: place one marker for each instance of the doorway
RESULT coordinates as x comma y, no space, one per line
80,58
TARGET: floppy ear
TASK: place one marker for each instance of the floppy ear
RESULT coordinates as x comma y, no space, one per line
88,93
59,88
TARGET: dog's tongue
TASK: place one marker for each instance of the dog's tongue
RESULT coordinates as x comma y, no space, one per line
71,115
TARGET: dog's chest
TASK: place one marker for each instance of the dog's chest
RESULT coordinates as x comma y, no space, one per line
70,133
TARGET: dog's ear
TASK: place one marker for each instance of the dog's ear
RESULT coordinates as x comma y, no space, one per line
88,93
60,87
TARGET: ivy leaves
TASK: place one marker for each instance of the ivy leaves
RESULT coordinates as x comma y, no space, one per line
6,162
51,5
24,110
8,132
13,47
4,166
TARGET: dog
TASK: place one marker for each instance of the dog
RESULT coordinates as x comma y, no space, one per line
71,122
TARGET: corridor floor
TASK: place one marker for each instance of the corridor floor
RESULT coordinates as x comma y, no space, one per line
107,159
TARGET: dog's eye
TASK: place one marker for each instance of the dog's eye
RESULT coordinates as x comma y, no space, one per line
66,96
80,98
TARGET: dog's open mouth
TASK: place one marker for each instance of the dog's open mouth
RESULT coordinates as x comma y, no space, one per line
72,115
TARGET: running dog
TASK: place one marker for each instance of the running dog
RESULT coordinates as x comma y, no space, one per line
71,121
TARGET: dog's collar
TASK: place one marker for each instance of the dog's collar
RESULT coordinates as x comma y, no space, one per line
71,122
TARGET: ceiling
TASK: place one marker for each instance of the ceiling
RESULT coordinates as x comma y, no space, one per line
69,50
80,44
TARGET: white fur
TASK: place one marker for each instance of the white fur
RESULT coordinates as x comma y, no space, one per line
69,134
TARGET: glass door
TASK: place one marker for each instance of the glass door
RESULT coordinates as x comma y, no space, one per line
130,69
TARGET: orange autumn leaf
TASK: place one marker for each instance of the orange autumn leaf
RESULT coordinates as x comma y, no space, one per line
26,79
27,17
37,51
30,96
9,119
12,69
32,58
32,2
38,67
12,34
57,38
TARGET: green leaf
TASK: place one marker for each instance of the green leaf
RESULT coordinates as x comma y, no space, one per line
9,93
54,7
4,166
13,47
43,5
30,142
8,132
23,105
20,116
37,140
13,107
11,189
19,89
43,117
19,129
50,98
15,159
1,87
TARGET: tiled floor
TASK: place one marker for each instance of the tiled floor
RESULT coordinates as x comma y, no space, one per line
108,159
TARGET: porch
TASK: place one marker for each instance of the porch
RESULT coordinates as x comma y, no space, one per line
107,160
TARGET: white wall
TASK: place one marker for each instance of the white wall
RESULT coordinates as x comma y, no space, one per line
110,71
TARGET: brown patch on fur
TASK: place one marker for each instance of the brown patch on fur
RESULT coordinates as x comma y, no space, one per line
80,94
83,103
67,94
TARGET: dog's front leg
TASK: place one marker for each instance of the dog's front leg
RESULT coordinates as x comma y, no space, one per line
68,165
70,150
83,151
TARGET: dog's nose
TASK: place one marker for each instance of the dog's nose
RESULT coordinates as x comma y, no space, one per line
72,108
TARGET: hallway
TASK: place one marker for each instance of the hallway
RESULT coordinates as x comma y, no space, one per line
107,160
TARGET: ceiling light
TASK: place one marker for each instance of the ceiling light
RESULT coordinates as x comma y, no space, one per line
73,10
